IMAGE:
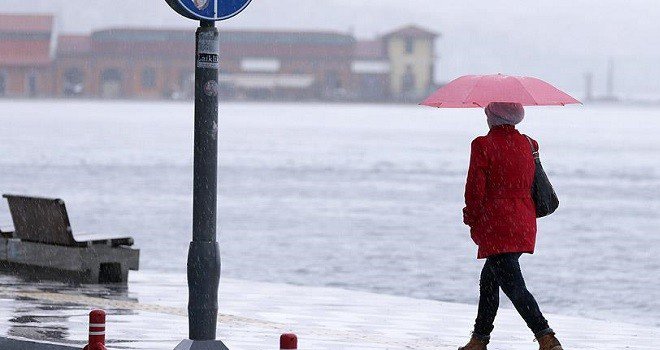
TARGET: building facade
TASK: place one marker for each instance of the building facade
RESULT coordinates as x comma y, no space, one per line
255,65
411,52
26,55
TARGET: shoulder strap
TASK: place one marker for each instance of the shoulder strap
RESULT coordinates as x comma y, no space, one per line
535,152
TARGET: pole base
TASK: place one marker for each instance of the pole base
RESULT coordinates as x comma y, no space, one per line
188,344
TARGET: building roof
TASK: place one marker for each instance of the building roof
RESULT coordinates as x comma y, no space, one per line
370,49
73,44
142,35
228,36
26,23
412,31
25,40
233,43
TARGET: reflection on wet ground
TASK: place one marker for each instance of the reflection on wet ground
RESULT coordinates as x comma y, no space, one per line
151,314
27,315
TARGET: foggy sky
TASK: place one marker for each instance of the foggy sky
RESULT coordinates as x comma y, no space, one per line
558,40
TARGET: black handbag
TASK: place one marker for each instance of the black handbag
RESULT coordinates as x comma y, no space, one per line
543,194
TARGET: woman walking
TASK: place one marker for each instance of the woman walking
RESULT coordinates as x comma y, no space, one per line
502,219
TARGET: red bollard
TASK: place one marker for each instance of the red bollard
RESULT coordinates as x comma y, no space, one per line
96,331
288,341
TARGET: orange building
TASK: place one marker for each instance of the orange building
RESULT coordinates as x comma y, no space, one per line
159,63
156,63
73,67
26,46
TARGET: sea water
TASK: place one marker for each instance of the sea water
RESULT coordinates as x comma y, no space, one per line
364,197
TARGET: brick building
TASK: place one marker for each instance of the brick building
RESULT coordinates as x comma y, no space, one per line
26,47
158,63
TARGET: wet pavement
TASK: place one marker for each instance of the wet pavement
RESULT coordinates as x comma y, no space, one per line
151,314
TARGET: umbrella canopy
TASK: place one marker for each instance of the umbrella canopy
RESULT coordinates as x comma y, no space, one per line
474,91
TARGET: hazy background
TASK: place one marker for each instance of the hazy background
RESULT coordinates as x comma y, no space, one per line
369,196
558,40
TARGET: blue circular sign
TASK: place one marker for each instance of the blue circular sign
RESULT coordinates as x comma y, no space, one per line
211,10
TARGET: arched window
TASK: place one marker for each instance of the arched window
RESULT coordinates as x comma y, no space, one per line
111,74
148,78
74,79
111,83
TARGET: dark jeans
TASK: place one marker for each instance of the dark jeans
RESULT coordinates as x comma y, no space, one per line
503,271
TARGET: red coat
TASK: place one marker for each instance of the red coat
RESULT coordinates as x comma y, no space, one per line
499,206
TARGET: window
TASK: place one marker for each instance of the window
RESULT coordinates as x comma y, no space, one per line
111,75
111,83
32,85
73,82
186,79
265,65
408,80
149,78
410,45
332,80
186,88
3,83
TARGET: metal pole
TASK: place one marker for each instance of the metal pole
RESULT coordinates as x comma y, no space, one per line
204,255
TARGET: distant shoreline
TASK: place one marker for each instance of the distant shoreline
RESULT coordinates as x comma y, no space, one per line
621,103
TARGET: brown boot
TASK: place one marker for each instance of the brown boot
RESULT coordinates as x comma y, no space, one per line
549,342
475,344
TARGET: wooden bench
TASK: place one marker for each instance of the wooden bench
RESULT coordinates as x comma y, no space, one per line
43,243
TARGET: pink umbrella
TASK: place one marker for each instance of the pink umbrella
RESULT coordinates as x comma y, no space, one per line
473,91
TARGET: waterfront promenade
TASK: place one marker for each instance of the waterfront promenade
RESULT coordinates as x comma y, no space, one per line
151,314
